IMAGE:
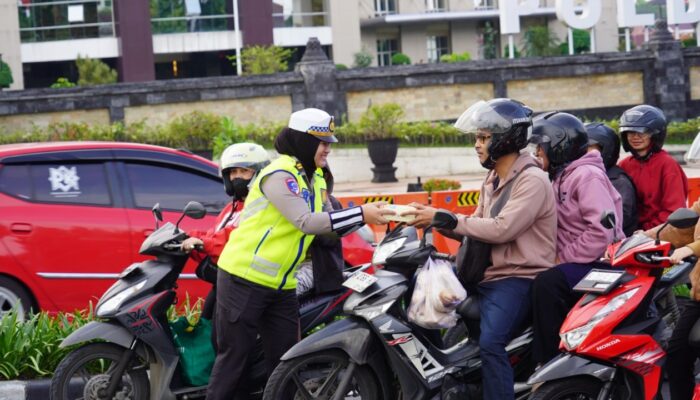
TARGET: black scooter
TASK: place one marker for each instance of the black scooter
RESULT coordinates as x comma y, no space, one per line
364,355
136,357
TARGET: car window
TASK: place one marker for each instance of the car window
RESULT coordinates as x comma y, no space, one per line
14,180
79,183
173,188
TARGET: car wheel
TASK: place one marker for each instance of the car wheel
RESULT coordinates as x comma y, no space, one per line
14,296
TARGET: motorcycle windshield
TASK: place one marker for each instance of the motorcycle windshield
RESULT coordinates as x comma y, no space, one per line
632,242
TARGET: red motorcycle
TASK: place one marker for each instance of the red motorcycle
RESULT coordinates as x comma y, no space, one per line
613,339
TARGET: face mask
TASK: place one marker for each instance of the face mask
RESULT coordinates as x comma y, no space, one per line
240,188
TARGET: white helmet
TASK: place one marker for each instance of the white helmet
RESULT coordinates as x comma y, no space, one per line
242,155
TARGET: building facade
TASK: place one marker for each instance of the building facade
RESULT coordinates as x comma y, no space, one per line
166,39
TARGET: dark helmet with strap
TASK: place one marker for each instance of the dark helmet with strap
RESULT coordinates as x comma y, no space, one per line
508,121
562,136
644,119
605,137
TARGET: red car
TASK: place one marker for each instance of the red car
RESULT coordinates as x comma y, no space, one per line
73,216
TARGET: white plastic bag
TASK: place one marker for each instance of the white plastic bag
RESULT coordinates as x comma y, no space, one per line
436,295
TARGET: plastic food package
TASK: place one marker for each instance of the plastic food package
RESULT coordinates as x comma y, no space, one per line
436,296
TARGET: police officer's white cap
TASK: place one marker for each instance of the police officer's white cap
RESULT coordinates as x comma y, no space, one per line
314,122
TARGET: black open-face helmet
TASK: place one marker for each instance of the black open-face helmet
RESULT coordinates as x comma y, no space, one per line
508,121
605,137
563,138
644,119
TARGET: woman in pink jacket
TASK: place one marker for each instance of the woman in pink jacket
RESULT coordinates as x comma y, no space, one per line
582,193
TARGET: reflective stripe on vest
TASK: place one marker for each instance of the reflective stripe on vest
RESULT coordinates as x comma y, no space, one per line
266,248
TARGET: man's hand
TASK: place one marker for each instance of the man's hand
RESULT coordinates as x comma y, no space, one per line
424,215
189,243
373,213
679,254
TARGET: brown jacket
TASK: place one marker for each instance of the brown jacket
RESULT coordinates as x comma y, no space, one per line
524,233
680,237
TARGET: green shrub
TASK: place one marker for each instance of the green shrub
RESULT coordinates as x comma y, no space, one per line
436,184
381,121
263,60
362,59
516,52
455,57
400,59
29,349
689,42
62,83
582,43
539,41
92,72
341,67
5,75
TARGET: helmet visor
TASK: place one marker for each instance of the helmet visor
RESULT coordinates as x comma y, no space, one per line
480,118
539,139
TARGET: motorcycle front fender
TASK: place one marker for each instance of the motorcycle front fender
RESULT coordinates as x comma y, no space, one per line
351,335
568,365
108,331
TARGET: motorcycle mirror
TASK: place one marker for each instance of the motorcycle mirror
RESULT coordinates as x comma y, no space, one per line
157,214
683,218
445,220
194,210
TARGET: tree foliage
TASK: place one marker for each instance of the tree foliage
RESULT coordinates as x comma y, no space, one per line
5,75
539,41
62,83
92,71
362,59
261,60
455,57
400,59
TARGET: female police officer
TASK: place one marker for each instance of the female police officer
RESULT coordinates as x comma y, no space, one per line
283,212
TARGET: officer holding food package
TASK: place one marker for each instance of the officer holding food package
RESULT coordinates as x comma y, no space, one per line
256,282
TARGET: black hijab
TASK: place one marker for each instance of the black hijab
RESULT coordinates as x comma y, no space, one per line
301,145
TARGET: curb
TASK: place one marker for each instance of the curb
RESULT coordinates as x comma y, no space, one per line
25,390
13,390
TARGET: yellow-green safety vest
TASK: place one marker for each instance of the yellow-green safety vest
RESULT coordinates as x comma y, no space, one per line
266,248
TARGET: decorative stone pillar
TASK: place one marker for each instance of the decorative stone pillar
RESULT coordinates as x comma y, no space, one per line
671,80
320,84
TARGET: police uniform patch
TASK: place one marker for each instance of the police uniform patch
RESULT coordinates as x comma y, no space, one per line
305,194
292,185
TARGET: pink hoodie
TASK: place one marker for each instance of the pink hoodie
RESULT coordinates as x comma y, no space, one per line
582,193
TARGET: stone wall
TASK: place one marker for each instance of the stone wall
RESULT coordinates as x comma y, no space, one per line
592,85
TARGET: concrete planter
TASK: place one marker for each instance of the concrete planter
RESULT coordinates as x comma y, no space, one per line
383,152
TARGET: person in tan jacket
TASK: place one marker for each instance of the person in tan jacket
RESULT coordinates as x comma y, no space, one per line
517,217
681,354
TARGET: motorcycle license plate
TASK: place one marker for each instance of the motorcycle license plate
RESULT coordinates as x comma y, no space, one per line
599,281
360,281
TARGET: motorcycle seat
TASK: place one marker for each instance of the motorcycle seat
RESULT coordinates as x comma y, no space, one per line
469,308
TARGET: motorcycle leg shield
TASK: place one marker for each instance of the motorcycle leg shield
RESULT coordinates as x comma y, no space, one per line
567,365
107,331
350,335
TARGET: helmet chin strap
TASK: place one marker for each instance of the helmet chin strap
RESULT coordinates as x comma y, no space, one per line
489,164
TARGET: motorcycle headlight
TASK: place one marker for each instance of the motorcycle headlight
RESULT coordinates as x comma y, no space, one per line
110,306
384,250
573,338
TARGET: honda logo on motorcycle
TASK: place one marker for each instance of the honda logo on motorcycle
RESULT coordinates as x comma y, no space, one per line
606,345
